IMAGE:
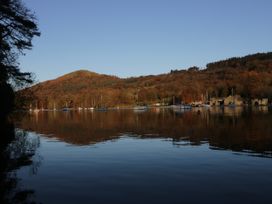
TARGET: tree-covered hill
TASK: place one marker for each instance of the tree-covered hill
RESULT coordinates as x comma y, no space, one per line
249,76
255,62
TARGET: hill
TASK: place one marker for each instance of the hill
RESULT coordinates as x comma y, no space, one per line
249,76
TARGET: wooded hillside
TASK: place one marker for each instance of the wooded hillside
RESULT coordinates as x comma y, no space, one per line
249,76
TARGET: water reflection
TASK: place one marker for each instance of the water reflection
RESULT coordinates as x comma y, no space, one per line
16,151
236,129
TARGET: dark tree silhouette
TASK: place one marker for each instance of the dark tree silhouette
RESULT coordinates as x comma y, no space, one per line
16,151
17,29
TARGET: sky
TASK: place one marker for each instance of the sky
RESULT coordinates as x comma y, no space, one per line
141,37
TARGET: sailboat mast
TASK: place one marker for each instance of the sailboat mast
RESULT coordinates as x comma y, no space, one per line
232,96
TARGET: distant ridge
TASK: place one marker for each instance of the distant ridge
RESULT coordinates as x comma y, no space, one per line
81,72
249,76
78,73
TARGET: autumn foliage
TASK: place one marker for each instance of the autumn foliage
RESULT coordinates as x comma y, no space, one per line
249,76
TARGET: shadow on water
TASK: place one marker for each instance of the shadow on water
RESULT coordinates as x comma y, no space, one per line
16,151
235,129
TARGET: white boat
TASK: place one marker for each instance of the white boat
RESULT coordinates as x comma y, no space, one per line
206,105
185,107
65,109
140,108
182,106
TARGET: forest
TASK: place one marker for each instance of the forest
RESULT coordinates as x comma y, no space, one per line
249,76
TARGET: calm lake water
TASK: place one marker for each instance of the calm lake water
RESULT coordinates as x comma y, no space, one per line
155,156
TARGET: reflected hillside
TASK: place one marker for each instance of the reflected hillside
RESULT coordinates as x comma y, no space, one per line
232,129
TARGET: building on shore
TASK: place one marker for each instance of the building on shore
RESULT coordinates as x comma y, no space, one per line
216,101
230,100
196,103
259,102
234,100
237,100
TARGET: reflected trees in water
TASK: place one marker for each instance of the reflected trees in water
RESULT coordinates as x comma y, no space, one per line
17,150
229,129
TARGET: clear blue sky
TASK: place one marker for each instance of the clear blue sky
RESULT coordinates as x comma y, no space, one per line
140,37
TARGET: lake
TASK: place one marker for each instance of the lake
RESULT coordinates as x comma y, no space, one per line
156,156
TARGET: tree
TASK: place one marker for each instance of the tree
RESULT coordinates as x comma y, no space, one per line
17,28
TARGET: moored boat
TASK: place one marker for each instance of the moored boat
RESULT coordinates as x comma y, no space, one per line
140,108
182,106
